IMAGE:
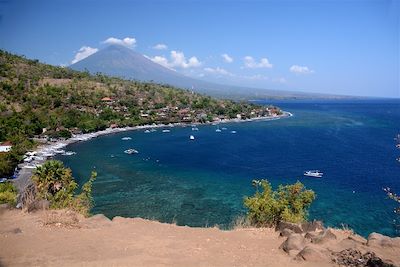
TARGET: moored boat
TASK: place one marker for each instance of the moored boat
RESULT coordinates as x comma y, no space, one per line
313,173
131,151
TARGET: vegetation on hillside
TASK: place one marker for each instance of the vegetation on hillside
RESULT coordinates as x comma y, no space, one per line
8,194
288,203
55,184
44,101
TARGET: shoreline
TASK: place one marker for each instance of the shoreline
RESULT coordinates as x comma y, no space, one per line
45,152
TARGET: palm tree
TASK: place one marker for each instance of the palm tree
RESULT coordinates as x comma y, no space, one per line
54,182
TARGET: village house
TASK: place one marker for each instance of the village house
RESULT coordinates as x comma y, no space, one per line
107,100
5,147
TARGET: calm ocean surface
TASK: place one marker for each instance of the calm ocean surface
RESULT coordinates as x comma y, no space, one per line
203,182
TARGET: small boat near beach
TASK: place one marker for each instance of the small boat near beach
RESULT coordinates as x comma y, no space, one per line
166,131
233,132
131,151
313,173
195,129
218,130
69,153
191,137
126,138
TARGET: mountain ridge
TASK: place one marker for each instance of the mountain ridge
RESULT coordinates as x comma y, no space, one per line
123,62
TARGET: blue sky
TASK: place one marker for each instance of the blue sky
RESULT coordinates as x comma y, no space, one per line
340,47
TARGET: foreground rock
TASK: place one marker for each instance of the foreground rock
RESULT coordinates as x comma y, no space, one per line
313,243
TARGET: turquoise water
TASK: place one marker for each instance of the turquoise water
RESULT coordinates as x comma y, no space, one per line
203,182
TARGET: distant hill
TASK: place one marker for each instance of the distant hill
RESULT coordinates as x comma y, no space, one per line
123,62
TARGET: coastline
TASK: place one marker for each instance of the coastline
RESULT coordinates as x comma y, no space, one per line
45,152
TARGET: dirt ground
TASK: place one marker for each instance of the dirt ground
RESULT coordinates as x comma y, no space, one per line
62,238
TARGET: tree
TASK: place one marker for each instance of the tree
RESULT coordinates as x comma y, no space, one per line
84,201
55,183
289,203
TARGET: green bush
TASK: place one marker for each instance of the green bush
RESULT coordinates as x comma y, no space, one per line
55,183
288,203
8,194
83,202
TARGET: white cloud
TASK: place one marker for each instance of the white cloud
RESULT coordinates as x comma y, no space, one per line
227,58
84,52
127,41
161,60
218,70
160,47
251,63
300,69
177,60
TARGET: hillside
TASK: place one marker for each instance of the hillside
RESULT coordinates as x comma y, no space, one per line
39,100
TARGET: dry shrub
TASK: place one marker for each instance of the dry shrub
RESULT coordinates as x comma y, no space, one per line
241,222
28,196
61,218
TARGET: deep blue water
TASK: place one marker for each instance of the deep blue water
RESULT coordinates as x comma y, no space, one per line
203,182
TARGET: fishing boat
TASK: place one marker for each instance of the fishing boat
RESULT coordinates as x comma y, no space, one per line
233,132
313,173
131,151
191,137
126,138
166,131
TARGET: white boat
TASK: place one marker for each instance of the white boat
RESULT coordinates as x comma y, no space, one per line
195,129
69,153
126,138
191,137
233,132
313,173
48,154
59,151
166,131
153,130
147,131
131,151
218,130
224,128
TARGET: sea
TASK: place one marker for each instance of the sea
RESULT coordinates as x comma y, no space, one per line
202,182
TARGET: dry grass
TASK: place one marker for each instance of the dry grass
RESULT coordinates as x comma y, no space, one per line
61,218
241,222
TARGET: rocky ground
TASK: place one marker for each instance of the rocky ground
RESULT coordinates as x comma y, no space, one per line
63,238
